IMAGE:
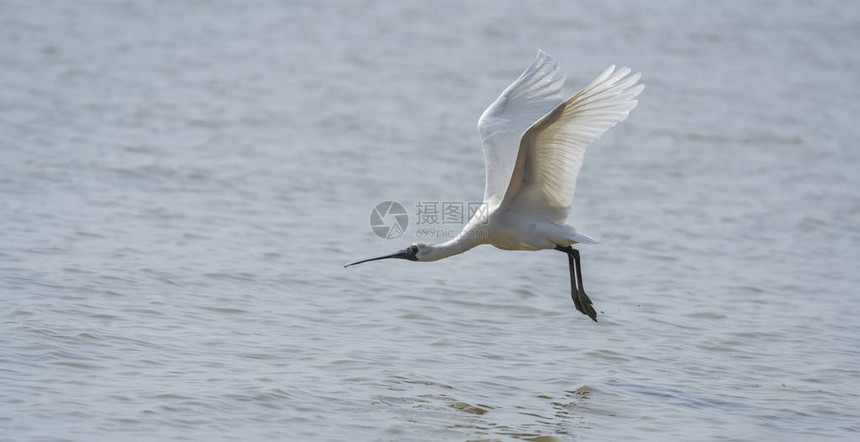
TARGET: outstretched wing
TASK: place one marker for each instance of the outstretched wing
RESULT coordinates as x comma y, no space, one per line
502,125
551,151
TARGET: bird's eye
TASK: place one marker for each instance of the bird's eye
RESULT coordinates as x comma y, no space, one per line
413,249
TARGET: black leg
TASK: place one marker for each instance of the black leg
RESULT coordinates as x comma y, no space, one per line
573,289
580,300
583,298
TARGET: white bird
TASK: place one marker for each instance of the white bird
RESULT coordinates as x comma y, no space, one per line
534,143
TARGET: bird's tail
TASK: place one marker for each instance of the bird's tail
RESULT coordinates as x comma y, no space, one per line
582,238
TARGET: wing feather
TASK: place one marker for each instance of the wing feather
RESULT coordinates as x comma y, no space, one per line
551,151
501,126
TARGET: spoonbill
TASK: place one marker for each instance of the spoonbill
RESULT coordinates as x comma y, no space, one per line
534,143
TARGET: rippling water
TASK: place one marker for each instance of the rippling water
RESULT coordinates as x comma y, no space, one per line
181,183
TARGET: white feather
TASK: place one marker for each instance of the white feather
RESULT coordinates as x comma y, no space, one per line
527,99
551,151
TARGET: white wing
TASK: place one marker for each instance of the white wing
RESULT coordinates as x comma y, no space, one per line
501,126
551,151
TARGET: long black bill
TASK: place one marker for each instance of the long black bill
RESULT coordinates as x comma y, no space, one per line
403,254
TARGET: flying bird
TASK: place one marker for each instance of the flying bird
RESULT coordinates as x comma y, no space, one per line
534,142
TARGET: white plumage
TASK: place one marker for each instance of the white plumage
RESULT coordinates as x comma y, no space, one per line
534,143
548,156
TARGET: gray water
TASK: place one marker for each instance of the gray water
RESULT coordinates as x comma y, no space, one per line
182,181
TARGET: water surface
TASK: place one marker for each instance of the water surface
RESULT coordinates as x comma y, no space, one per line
181,184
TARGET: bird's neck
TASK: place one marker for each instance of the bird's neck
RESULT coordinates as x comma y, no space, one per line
459,244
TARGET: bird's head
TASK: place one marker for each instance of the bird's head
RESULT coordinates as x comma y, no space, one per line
418,251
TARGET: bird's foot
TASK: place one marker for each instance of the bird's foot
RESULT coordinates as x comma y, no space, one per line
583,303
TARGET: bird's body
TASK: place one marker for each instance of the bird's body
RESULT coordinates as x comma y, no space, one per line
534,143
507,231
